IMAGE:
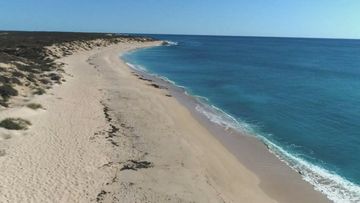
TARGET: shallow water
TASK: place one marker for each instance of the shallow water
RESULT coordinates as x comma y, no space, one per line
300,96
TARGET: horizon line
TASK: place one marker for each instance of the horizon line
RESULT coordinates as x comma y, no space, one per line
181,34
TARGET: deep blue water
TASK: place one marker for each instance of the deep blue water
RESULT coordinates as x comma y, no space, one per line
301,94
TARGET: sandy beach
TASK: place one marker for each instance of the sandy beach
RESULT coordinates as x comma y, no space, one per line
110,134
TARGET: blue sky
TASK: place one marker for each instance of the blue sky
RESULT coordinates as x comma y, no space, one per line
300,18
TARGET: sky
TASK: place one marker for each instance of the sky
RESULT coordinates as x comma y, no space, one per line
282,18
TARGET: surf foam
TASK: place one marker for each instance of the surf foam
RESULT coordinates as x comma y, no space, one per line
335,187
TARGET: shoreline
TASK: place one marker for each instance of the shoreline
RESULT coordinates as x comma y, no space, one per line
105,135
277,179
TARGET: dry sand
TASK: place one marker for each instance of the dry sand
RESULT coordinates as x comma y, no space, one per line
107,136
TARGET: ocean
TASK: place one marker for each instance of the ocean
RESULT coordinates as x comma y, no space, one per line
301,97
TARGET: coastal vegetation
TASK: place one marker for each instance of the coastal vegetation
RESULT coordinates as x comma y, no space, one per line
28,59
34,106
39,91
6,91
15,124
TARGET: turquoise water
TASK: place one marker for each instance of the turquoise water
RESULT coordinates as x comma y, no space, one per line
300,96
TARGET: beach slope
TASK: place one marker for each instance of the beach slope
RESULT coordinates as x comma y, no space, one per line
109,135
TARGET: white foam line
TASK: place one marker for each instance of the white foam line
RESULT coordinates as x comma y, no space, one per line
335,187
170,43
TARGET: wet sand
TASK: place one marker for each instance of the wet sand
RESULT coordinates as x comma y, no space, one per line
277,179
110,135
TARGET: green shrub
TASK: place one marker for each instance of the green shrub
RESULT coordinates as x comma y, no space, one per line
7,91
54,76
18,74
15,124
3,103
31,77
14,80
34,106
4,79
39,91
45,81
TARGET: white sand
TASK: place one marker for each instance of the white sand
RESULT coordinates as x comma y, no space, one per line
70,155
